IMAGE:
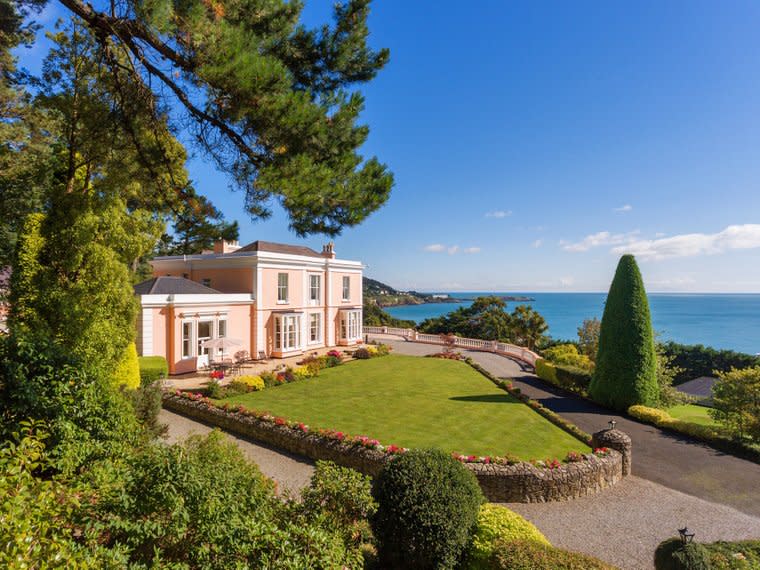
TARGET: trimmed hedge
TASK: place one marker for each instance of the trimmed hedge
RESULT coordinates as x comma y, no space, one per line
153,368
711,435
564,376
495,524
531,555
428,505
696,360
626,363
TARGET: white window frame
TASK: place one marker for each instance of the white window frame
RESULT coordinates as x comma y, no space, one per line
287,332
282,287
190,339
315,328
198,338
315,292
206,282
346,287
351,325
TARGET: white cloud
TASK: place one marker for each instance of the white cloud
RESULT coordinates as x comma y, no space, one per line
498,214
538,243
660,234
598,239
624,208
746,236
450,249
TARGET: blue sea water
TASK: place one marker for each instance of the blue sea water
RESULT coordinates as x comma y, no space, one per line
730,321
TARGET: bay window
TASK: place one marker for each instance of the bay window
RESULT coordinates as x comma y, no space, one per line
287,332
351,324
315,327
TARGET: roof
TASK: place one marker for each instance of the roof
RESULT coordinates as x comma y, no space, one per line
700,387
172,286
260,245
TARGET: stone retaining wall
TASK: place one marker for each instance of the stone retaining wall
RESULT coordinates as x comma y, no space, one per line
519,483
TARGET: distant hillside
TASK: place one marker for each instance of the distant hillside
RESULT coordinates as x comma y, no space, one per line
383,295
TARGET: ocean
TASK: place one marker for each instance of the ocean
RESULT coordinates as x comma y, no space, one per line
729,321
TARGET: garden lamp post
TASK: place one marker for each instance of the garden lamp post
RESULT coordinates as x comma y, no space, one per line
612,424
686,536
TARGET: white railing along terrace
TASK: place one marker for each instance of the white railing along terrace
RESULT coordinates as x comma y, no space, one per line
510,350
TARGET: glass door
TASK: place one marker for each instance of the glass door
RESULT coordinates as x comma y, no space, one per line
205,331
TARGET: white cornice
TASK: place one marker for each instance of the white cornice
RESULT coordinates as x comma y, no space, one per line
188,300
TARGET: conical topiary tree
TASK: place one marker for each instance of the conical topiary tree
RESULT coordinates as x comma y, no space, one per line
626,364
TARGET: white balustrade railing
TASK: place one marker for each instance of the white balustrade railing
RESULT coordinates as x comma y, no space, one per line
503,348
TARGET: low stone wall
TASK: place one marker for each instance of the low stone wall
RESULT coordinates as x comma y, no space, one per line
519,483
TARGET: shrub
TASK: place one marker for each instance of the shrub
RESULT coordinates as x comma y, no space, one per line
153,368
672,554
344,497
650,415
362,353
146,401
697,360
532,555
254,383
127,372
269,378
428,504
568,355
382,349
546,371
736,397
626,365
498,523
734,555
215,390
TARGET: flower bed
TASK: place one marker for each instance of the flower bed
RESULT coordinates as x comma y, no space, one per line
501,478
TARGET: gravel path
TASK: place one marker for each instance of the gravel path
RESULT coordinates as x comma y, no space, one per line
624,524
290,472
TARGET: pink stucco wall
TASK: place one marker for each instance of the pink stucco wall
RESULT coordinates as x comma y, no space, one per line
269,278
336,297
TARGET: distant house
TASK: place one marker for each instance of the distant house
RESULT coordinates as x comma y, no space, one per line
276,300
701,388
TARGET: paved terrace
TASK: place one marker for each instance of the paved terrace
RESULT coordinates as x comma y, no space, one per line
676,481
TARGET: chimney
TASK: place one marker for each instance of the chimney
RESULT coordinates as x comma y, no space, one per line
328,250
222,246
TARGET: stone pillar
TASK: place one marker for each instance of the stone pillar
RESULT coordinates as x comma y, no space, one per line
617,440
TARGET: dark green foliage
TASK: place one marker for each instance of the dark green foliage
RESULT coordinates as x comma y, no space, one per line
695,360
568,377
486,318
531,555
672,554
204,505
87,416
626,364
153,368
374,316
739,555
428,507
341,498
146,401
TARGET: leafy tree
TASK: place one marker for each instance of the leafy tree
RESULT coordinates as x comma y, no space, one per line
374,316
486,318
528,326
695,360
272,103
588,337
736,402
197,225
626,365
667,371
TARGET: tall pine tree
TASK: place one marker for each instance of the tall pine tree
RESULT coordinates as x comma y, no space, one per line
626,364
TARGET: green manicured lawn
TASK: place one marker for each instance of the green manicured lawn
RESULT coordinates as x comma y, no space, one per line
417,402
692,413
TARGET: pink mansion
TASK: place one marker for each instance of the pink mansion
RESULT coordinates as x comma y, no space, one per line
275,300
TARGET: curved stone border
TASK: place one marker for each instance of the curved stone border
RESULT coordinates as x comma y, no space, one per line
521,482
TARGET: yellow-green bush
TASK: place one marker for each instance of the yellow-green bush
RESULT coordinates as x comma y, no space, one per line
305,372
546,371
255,383
568,355
650,415
127,373
496,524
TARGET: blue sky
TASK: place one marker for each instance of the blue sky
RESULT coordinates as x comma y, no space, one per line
534,142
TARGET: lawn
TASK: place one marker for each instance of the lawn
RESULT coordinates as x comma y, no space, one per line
692,413
417,402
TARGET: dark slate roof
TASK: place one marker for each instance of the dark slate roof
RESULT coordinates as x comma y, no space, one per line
259,245
700,387
172,286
